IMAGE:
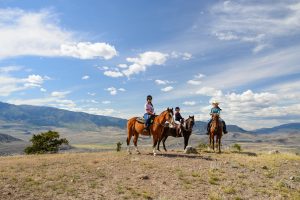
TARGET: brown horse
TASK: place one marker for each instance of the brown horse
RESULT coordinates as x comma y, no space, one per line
134,128
216,128
185,130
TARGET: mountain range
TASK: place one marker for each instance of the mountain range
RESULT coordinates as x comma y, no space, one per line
12,116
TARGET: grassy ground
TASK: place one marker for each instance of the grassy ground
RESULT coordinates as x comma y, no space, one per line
172,175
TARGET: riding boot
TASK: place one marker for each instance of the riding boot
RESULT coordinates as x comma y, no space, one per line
224,128
208,127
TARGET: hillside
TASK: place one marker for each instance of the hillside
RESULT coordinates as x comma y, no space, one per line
284,128
4,138
47,116
174,175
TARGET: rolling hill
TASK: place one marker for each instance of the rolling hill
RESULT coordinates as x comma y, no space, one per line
7,138
287,128
53,117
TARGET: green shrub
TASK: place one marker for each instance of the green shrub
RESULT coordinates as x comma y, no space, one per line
202,145
119,146
47,142
236,147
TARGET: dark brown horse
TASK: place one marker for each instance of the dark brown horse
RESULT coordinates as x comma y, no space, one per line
186,132
135,128
216,128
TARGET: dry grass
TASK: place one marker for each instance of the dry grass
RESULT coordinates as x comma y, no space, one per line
112,175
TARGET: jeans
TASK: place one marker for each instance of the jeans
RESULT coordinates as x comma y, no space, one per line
147,118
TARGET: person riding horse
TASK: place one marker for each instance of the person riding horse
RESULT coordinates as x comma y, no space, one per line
149,113
178,121
216,110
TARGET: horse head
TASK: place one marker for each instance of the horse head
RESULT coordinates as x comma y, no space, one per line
189,123
215,117
169,115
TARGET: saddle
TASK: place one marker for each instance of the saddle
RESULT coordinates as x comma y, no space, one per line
140,120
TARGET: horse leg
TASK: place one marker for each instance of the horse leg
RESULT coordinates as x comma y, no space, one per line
135,139
213,143
186,141
128,140
220,143
209,141
164,140
158,143
155,139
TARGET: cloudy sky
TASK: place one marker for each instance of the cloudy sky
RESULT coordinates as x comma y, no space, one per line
105,57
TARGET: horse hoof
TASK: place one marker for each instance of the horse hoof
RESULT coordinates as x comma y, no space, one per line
154,154
138,152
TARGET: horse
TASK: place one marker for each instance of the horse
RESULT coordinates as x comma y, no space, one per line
135,128
186,132
216,129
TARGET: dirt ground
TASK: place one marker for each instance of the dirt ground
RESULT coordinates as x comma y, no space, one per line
172,175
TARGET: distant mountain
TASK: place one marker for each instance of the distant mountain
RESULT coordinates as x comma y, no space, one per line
200,128
286,128
53,117
7,138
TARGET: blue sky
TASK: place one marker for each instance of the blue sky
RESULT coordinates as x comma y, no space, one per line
105,57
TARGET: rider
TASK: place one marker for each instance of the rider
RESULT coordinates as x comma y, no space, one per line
149,112
216,109
178,121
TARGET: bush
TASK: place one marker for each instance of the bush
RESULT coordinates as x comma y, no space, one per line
236,147
202,145
119,146
47,142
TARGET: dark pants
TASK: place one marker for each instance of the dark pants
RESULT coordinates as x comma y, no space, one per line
224,126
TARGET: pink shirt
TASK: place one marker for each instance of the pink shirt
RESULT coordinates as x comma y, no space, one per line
149,108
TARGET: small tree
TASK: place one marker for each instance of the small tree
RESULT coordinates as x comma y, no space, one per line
119,146
47,142
237,147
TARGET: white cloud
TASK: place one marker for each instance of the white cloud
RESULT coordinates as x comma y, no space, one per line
167,89
122,89
60,94
48,101
34,81
189,103
91,93
114,74
122,66
9,85
106,102
183,56
209,91
25,33
194,82
255,22
8,69
162,82
85,77
197,79
43,90
87,50
199,76
112,90
143,61
186,56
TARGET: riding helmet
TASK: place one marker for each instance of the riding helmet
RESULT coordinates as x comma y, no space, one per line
177,108
149,97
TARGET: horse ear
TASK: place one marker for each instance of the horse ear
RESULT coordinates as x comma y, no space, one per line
190,116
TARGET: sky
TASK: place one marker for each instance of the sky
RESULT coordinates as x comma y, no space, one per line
104,57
